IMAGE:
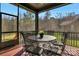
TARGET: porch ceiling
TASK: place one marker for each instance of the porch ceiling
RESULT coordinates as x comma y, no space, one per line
39,7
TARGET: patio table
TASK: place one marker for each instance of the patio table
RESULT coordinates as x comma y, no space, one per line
36,45
45,42
45,38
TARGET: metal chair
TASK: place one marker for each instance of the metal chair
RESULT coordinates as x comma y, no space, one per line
60,45
30,46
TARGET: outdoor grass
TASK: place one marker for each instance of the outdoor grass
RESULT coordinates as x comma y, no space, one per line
9,36
71,42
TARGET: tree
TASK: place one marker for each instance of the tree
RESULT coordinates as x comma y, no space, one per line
47,15
27,21
5,25
70,14
45,24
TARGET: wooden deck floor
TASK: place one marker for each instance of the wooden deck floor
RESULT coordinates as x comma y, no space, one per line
73,51
14,51
18,51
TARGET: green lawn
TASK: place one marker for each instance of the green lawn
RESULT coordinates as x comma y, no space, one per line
73,42
8,36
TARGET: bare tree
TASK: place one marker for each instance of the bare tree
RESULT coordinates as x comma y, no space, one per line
27,21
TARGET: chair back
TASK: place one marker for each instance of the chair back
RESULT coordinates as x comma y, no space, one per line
30,45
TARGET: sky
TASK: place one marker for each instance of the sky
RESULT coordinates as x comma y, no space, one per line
8,8
63,10
11,9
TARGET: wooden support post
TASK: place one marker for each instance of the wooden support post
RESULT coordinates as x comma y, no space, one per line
36,23
18,24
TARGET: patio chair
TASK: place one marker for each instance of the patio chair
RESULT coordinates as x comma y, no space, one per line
60,46
30,46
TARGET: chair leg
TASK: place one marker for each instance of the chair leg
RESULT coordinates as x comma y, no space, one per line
40,52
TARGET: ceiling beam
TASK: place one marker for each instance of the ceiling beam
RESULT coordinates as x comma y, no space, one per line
23,7
50,6
27,5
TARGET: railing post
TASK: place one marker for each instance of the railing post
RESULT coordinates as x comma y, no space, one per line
64,40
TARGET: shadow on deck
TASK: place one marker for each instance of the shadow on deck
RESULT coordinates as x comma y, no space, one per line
18,51
71,51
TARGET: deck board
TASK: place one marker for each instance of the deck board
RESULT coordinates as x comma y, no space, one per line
11,52
73,51
18,51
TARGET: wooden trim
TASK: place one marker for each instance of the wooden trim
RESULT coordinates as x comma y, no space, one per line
23,7
52,6
27,6
10,32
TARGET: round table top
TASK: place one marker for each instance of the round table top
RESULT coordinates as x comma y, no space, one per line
45,38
